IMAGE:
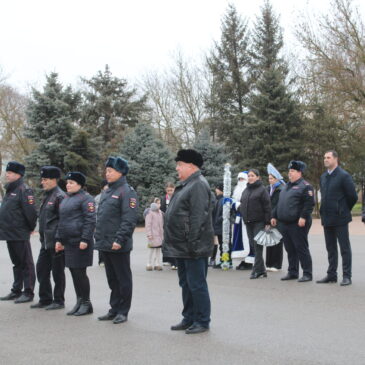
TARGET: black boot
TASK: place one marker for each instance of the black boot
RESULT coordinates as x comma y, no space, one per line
85,308
75,308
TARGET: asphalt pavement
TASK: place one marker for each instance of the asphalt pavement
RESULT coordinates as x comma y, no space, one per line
263,321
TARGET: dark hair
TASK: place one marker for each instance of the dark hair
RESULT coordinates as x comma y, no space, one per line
255,171
169,185
334,153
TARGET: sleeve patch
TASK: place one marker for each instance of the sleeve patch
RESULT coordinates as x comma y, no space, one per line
30,199
91,207
132,202
310,192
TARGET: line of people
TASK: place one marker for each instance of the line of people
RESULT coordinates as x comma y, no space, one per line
68,228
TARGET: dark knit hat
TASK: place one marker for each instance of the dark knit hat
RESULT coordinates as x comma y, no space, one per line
50,172
118,163
79,177
16,167
297,165
190,156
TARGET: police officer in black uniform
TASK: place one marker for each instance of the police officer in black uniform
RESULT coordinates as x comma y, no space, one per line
116,220
48,260
294,210
18,218
75,235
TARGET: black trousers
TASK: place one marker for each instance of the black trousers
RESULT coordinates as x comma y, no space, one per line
274,255
252,230
195,295
331,235
119,275
51,262
20,253
81,283
297,247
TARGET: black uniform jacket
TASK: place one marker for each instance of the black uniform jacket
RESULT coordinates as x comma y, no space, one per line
338,196
77,219
117,217
188,228
218,215
255,203
18,214
296,200
49,217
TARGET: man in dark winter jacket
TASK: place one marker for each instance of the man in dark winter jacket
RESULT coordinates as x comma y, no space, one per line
188,236
294,210
48,260
338,196
18,218
116,220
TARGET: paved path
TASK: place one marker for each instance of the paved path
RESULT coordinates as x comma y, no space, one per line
263,321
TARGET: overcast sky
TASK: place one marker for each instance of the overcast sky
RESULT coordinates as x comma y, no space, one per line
77,38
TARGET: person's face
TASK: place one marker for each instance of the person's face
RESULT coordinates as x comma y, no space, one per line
158,203
170,191
272,180
252,177
184,170
48,184
112,175
330,162
72,186
294,175
11,176
218,192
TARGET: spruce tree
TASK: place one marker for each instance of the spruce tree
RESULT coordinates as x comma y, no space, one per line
214,157
273,129
232,78
83,157
51,114
151,164
110,108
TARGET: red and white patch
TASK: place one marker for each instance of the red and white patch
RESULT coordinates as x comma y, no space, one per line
50,203
132,203
91,207
30,199
115,196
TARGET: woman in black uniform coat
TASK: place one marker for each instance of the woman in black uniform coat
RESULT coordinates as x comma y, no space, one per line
75,236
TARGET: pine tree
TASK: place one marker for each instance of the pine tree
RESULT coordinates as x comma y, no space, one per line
214,157
274,123
151,164
232,78
110,107
51,115
83,157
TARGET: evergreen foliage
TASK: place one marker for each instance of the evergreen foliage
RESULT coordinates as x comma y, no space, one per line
232,78
51,116
110,107
273,128
214,157
83,157
151,164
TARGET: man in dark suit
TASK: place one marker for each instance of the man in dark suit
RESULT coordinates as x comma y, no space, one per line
338,196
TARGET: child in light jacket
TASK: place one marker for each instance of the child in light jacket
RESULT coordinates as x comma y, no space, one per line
154,230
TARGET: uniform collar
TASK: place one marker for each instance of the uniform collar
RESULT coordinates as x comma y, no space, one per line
13,185
49,192
296,182
121,181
